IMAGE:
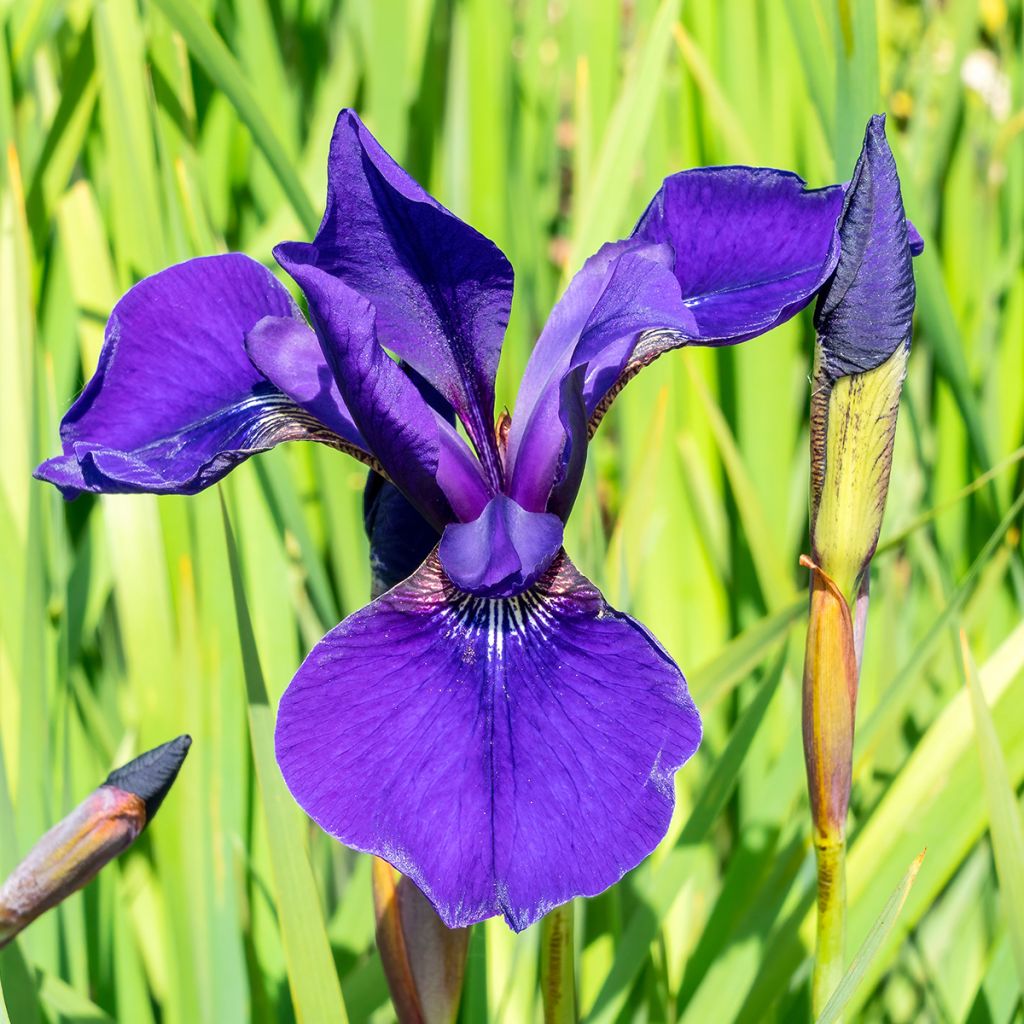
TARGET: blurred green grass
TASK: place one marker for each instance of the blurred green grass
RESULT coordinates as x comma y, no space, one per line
141,132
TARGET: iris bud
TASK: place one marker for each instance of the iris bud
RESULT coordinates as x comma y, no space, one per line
104,824
424,961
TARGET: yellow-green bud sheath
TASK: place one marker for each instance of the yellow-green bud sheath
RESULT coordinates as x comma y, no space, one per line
853,427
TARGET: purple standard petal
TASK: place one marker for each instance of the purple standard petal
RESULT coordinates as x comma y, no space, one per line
442,291
175,402
419,450
507,755
865,312
501,553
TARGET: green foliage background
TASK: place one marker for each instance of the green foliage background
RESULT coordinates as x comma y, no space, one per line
137,133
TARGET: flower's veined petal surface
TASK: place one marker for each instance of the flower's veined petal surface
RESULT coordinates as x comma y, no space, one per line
418,449
503,551
505,754
751,245
175,402
721,255
865,312
441,289
624,289
572,411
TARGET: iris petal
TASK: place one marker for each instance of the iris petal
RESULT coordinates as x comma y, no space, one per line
442,290
624,289
175,402
506,754
751,245
287,353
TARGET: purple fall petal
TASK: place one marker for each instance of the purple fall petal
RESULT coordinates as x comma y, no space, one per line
865,313
502,552
720,255
175,402
442,291
418,449
507,755
752,245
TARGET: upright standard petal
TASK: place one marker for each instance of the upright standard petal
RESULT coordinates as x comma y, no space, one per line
175,402
506,754
418,449
442,291
865,313
624,289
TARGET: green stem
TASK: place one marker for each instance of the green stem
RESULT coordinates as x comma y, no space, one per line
557,967
830,939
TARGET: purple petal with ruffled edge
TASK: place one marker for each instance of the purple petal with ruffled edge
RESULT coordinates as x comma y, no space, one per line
442,290
866,311
507,755
503,551
752,245
175,402
418,449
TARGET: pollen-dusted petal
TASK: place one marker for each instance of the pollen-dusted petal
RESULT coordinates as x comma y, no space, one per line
442,290
865,313
506,754
175,402
503,551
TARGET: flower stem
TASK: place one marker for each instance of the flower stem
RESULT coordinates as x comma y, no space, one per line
830,699
830,939
557,967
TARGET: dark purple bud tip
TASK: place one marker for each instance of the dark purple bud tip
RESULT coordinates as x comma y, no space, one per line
864,312
151,774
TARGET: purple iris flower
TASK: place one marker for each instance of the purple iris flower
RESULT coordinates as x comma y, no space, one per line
489,725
